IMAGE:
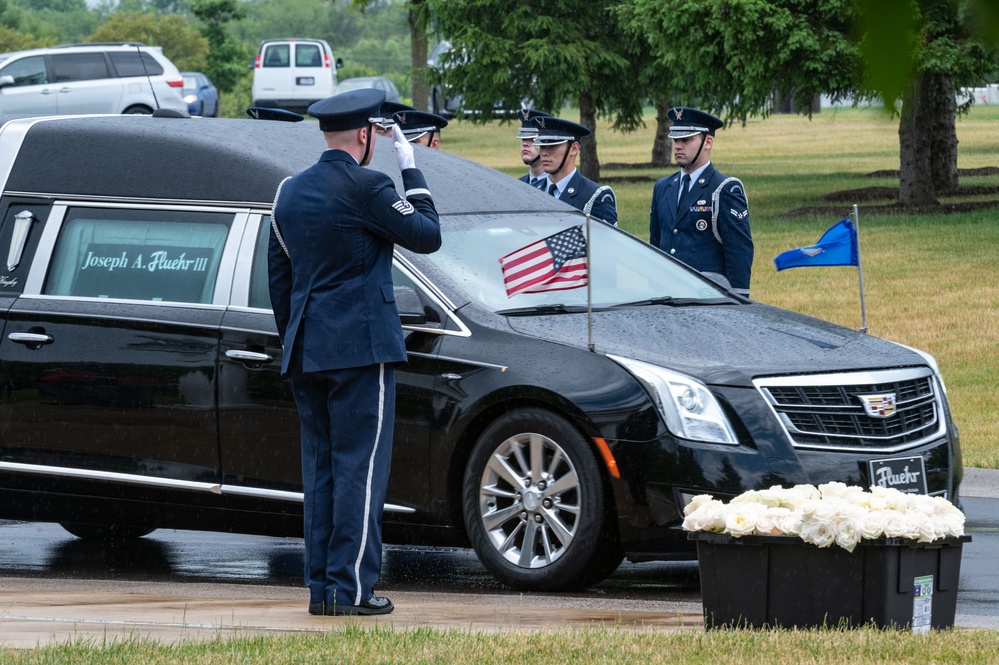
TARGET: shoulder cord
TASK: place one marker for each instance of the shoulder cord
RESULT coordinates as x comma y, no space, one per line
714,205
593,199
274,224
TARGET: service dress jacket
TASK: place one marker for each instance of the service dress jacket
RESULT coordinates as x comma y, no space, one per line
579,192
710,230
331,266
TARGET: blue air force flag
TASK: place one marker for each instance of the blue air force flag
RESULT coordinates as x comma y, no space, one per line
836,247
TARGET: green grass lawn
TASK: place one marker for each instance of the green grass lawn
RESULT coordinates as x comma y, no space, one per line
931,281
354,644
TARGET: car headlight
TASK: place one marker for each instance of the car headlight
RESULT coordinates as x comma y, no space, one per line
688,407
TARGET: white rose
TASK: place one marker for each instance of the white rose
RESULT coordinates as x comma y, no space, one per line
899,525
790,524
741,518
894,499
819,533
848,535
746,497
709,516
925,529
697,502
950,519
808,491
872,525
771,498
768,523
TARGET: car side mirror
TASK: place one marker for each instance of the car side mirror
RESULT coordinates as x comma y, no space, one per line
339,63
6,81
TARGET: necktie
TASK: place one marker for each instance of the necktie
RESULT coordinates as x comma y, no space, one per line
684,185
553,189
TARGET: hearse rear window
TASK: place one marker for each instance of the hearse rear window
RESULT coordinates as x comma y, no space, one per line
138,255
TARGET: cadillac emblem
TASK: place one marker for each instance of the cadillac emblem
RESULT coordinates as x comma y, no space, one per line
879,406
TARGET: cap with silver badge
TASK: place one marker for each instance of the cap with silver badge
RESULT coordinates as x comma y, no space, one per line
689,122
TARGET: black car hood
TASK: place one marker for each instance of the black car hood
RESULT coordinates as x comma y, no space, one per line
722,344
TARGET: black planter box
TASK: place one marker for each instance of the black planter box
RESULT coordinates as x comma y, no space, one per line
783,582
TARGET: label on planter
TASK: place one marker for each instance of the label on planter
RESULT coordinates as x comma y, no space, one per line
922,604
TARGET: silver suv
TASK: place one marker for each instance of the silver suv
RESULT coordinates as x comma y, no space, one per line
121,77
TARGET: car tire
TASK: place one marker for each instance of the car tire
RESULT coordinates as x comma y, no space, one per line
201,109
435,101
537,508
106,533
138,109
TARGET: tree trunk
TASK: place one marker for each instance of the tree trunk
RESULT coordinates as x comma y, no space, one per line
418,54
943,144
662,153
915,138
588,163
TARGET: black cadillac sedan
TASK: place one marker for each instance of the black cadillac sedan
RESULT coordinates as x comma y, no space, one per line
555,432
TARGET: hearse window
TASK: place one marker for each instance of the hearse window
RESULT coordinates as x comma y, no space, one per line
260,294
138,255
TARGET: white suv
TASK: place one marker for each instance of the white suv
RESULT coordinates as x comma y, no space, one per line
89,78
293,73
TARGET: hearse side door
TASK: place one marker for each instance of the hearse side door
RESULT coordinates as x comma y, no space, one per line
109,354
258,420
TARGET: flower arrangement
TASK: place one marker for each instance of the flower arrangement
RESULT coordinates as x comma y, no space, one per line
833,513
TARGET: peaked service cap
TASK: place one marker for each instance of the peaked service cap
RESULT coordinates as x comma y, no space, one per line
348,110
527,129
688,122
552,131
415,124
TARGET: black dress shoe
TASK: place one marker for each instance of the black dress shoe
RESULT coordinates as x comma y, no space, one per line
373,605
318,608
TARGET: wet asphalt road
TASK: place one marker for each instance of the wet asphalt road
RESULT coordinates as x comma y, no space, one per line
178,558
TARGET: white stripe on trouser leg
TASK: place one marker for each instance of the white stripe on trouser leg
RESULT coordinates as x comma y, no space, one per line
367,485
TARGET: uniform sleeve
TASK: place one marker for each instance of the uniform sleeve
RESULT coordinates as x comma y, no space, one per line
279,281
737,240
654,218
411,221
605,205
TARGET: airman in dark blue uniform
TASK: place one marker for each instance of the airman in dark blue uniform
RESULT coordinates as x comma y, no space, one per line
529,152
334,227
700,215
558,141
421,128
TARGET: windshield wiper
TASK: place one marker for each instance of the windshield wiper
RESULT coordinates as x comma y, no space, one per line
677,302
557,308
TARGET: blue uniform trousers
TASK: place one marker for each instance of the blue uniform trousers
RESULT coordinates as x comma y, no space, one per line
347,418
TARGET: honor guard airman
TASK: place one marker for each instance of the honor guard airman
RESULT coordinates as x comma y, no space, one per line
558,143
333,230
421,128
528,151
699,215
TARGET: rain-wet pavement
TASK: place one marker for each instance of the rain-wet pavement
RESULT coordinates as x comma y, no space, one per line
175,585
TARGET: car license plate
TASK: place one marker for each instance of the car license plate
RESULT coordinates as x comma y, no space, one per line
306,80
906,474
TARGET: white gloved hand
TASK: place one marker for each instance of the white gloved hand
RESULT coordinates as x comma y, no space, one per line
403,150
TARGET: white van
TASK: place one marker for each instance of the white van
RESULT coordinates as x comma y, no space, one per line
293,73
119,77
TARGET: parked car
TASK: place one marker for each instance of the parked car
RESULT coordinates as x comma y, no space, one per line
126,77
140,363
201,95
292,74
377,82
447,102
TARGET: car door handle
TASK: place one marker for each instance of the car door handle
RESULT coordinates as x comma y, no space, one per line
65,90
30,338
248,356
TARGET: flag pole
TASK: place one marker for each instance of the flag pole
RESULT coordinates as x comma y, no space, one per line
860,271
589,293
